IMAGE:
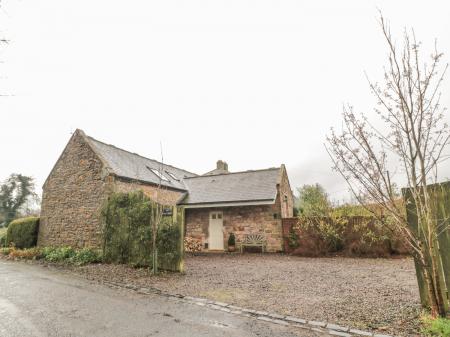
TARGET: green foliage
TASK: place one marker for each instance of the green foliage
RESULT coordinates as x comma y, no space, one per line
348,210
350,236
231,240
86,256
313,201
438,327
168,245
22,233
14,193
55,254
293,240
127,232
3,237
5,250
329,229
58,254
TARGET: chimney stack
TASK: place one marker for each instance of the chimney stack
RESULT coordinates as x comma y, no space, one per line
221,165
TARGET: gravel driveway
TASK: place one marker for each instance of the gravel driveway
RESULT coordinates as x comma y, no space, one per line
379,294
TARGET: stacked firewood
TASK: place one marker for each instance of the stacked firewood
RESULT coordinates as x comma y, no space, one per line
192,245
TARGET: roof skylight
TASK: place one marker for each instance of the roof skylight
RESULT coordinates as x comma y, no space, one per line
158,174
173,176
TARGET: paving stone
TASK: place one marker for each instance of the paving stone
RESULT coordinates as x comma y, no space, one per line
380,335
317,330
236,312
213,306
265,318
361,332
276,316
200,304
262,313
316,323
233,307
337,327
295,319
301,326
280,321
224,309
339,333
198,299
251,311
222,304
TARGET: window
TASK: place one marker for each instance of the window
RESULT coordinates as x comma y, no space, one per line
219,215
158,174
213,216
171,175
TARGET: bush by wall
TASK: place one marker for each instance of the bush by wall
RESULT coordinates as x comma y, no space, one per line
66,255
22,233
128,232
349,236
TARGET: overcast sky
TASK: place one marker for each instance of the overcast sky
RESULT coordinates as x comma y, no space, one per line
255,83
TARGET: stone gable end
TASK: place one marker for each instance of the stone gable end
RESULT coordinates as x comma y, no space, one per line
73,195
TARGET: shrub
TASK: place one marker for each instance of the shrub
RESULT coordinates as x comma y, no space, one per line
86,256
231,240
5,250
23,232
28,254
127,232
350,236
58,254
439,327
2,237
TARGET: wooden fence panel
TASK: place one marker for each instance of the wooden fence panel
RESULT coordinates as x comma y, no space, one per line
440,194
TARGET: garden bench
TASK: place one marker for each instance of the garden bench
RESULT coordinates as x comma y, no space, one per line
253,240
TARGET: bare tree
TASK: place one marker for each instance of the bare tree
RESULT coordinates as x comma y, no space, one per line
415,139
157,215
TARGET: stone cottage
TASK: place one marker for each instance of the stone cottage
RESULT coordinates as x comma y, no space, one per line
216,203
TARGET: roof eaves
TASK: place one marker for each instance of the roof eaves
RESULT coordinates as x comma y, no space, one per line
229,203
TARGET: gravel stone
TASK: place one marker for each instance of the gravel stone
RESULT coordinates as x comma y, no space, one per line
361,293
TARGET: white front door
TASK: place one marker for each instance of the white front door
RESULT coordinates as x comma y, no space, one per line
215,231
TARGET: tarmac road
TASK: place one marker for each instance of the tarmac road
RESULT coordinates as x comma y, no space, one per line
39,302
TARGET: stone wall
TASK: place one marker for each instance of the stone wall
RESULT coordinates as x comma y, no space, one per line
72,198
285,197
165,196
242,220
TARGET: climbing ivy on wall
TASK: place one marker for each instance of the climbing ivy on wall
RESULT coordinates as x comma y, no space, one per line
127,232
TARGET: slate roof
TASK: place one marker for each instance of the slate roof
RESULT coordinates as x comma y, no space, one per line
258,185
133,166
243,187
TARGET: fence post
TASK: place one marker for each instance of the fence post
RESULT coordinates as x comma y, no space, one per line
180,225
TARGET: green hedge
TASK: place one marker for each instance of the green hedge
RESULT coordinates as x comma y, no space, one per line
127,232
23,232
